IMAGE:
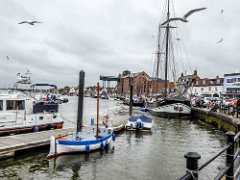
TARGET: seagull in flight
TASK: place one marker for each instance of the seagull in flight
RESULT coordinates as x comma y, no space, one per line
221,11
219,41
7,57
184,18
31,23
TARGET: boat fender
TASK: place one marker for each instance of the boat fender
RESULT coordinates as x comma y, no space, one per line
102,146
107,144
87,148
142,125
113,136
138,125
35,129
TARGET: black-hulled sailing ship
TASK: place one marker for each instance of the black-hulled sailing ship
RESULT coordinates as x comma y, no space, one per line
178,104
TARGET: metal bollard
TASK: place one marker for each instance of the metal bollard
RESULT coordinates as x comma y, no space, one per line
230,156
192,163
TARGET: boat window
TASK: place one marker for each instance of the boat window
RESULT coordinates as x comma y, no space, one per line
54,116
1,105
40,117
15,105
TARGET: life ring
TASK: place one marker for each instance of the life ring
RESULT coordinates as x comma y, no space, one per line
105,120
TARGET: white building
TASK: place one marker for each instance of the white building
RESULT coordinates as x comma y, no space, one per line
207,87
232,84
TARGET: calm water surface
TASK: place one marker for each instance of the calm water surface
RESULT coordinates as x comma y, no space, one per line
137,156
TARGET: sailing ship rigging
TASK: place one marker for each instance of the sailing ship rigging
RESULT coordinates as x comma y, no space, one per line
177,104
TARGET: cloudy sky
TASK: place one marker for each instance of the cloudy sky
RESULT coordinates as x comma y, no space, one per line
109,36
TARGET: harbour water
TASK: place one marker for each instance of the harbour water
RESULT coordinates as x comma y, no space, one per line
136,156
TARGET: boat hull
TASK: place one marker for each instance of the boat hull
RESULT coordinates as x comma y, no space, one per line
171,110
33,128
66,146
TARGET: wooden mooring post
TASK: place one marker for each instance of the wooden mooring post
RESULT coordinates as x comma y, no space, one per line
192,168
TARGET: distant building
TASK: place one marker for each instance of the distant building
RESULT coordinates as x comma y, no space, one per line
143,84
207,87
232,84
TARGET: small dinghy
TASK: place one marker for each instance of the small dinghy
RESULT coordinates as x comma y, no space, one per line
139,122
82,141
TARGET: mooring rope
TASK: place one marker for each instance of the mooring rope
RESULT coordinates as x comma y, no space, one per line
193,171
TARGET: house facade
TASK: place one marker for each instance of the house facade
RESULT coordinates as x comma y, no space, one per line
207,87
232,84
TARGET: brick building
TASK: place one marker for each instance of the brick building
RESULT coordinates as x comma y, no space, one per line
143,84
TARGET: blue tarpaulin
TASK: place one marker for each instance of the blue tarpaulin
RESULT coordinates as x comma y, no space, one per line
141,117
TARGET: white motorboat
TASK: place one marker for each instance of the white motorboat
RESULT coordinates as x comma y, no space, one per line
25,111
139,122
20,112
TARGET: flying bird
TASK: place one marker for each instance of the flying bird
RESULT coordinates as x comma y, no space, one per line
184,18
7,57
18,74
31,23
178,39
219,41
221,11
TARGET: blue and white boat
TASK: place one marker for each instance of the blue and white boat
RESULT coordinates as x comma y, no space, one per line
139,122
82,142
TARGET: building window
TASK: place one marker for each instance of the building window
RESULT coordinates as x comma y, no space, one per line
218,81
216,88
15,105
1,105
201,89
238,79
231,80
197,83
209,88
204,82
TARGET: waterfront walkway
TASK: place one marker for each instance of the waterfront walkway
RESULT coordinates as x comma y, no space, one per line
11,144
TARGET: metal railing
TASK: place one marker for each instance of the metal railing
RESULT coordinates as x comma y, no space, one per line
232,152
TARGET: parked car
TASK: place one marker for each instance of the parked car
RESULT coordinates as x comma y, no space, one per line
227,101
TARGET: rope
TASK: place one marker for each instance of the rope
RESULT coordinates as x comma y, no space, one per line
65,119
191,172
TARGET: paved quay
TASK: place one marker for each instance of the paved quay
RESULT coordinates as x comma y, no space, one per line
9,145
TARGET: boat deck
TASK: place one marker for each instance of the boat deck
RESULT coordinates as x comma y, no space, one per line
9,145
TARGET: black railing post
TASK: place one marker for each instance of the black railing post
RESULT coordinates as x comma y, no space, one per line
192,163
230,156
238,130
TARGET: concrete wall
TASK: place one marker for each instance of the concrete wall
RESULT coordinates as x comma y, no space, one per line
221,121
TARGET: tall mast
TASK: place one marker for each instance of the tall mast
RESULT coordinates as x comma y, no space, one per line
158,53
166,52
